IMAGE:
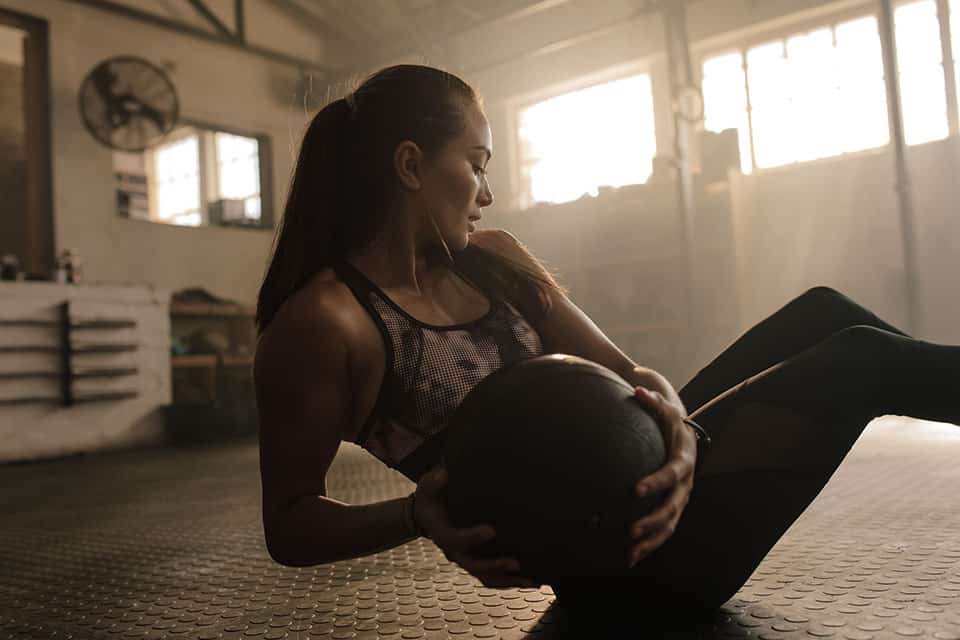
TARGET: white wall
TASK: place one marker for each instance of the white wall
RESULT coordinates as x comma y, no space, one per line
830,223
47,429
215,84
837,222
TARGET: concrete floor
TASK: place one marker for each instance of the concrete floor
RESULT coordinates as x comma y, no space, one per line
167,543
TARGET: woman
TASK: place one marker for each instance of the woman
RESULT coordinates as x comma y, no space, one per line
383,306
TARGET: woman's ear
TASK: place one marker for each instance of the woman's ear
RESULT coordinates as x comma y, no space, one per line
407,162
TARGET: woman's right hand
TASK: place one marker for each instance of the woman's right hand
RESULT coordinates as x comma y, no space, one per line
458,545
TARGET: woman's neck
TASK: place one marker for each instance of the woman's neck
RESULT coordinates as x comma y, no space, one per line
416,273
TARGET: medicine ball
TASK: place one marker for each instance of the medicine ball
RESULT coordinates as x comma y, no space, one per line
548,451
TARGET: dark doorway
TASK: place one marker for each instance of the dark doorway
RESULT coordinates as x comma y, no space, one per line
26,211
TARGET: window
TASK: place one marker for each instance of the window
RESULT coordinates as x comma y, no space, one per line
812,95
822,93
576,142
725,91
238,171
176,169
920,63
954,7
196,176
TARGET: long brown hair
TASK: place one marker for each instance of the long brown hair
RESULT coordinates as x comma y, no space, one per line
344,181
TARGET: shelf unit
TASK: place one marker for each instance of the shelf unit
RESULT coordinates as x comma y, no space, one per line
193,361
68,348
212,392
207,309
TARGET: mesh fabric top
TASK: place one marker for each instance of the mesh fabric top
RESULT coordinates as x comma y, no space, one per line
430,368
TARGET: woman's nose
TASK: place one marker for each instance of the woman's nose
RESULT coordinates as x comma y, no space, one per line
485,195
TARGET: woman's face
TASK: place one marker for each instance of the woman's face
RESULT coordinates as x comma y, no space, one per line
455,185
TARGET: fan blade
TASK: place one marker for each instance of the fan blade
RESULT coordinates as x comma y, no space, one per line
127,131
158,118
104,80
153,95
144,138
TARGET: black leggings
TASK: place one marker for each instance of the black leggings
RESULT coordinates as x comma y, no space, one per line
787,401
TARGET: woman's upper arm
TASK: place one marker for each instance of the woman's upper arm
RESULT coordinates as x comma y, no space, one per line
565,328
304,406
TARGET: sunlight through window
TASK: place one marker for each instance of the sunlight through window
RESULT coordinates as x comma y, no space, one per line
821,93
955,40
920,63
725,92
178,181
862,120
238,168
600,136
818,94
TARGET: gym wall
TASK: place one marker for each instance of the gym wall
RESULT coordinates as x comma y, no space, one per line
228,87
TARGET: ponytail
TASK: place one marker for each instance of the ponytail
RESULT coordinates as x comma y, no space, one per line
307,236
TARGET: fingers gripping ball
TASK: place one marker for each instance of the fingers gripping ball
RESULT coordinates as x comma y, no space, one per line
549,451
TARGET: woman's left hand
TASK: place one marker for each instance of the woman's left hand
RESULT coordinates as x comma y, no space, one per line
675,476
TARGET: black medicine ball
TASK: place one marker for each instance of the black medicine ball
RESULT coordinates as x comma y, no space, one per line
549,451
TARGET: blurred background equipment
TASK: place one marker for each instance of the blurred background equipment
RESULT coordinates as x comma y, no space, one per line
212,345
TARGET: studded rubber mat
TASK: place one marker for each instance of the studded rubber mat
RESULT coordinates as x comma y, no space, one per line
167,543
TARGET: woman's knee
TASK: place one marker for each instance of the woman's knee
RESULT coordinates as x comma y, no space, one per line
822,301
857,347
821,295
836,308
860,335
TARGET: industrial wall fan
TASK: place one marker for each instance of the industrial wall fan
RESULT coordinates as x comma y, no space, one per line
128,103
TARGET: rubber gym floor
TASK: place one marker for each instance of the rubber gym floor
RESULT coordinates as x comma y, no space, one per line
167,543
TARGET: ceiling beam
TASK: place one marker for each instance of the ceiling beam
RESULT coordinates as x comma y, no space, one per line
523,12
312,21
241,23
189,30
580,37
211,17
501,17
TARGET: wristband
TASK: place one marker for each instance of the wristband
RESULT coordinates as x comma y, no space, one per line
412,525
702,436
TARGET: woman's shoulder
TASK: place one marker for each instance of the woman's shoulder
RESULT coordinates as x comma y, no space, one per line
320,298
499,241
504,244
321,310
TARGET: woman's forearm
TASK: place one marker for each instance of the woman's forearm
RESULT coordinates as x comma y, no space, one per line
316,530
